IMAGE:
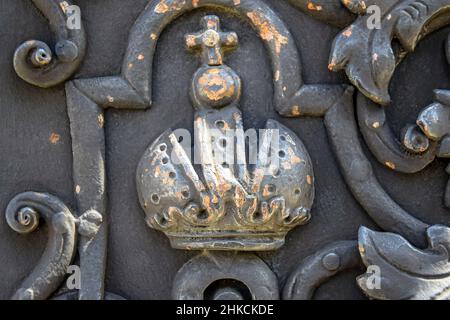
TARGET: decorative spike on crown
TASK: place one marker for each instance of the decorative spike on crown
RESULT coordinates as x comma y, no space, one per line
223,203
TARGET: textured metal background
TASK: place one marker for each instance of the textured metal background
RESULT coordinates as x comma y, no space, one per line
35,142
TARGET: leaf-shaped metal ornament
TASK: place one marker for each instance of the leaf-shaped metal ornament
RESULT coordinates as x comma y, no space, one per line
366,51
397,270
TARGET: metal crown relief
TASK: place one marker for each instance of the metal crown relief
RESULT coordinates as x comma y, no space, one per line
224,205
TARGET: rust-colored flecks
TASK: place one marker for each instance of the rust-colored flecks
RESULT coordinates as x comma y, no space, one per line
348,32
101,120
54,138
294,158
215,86
64,5
191,41
313,7
220,203
390,165
166,176
267,31
165,6
268,190
277,75
332,65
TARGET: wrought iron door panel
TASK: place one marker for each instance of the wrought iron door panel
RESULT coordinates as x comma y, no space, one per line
87,177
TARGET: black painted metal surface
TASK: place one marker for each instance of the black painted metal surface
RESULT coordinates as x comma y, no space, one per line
81,141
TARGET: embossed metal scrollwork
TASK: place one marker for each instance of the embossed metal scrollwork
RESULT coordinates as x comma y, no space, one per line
36,63
371,69
243,276
319,267
406,272
367,54
22,214
368,57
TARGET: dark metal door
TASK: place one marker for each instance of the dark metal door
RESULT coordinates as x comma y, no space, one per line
113,118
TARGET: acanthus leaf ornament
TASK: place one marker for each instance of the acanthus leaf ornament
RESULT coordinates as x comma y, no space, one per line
367,54
405,271
410,154
371,69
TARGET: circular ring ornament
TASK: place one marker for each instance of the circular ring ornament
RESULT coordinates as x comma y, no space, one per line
199,273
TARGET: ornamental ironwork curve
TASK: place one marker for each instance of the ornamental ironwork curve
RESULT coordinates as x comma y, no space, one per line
222,208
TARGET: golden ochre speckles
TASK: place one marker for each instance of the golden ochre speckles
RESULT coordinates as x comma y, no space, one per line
165,6
101,120
54,138
348,32
313,7
153,36
277,75
215,86
190,41
231,39
296,111
267,31
268,190
309,179
294,158
77,189
332,65
195,3
64,5
390,165
286,165
239,198
141,57
167,177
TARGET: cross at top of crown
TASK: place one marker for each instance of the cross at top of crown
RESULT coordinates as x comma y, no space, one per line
212,41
